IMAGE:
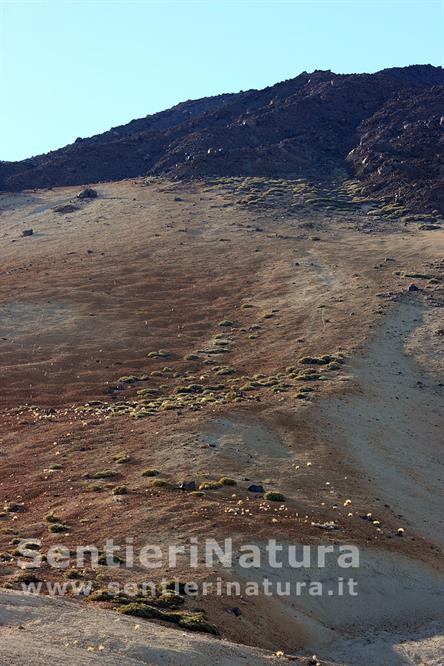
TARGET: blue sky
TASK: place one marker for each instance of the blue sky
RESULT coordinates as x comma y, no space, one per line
74,68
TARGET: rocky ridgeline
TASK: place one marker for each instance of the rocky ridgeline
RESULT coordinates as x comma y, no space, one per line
383,128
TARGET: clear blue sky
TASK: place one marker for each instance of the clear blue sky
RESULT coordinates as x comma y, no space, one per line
70,69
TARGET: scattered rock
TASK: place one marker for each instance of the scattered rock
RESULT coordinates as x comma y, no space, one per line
235,611
87,193
66,208
189,486
256,488
429,227
413,287
329,525
27,232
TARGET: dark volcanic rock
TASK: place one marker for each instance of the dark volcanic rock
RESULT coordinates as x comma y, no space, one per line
87,193
401,149
385,128
188,486
256,488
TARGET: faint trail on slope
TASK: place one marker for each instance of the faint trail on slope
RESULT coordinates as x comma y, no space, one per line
391,428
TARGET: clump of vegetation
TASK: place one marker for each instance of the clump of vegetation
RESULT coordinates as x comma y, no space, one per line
191,388
104,474
101,595
226,322
158,483
321,360
191,357
210,485
273,496
246,306
26,578
249,386
150,472
169,599
160,353
225,370
52,518
132,379
174,585
334,365
192,621
13,507
58,527
106,559
167,405
148,391
197,622
121,458
93,488
120,490
227,481
221,342
308,376
55,467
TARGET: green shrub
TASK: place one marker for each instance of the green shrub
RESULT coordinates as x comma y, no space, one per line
169,599
191,388
148,391
104,474
121,458
120,490
58,527
225,370
52,518
161,353
128,379
210,485
26,577
226,481
101,595
316,360
273,496
93,488
150,472
197,622
142,610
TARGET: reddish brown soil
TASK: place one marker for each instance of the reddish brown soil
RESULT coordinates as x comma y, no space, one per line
161,274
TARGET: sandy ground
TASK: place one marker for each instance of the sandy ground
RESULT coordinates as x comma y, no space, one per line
35,634
142,268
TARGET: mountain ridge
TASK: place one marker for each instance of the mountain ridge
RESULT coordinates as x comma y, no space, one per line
318,125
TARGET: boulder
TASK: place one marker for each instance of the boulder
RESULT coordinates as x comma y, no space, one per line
256,488
87,193
189,486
